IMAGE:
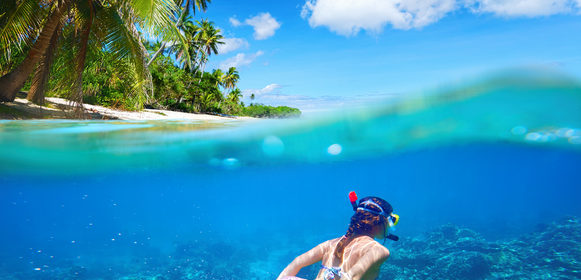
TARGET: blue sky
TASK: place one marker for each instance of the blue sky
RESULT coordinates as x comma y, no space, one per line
316,54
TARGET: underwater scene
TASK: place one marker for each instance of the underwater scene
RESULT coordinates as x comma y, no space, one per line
486,179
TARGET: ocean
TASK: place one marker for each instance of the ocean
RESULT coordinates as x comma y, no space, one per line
486,177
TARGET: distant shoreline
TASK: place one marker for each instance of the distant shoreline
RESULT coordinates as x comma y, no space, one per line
59,108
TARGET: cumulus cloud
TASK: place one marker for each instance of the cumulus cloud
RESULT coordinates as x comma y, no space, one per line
240,59
232,44
264,25
528,8
235,22
272,88
349,17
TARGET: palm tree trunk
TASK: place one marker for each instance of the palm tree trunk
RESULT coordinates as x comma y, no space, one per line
156,53
12,82
40,79
78,86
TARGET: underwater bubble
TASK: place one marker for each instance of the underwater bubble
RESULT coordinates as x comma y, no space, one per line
37,268
272,146
334,149
231,163
576,140
519,130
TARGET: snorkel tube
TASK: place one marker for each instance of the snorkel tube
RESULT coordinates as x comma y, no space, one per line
353,199
392,219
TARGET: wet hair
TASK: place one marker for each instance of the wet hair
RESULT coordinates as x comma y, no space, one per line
362,222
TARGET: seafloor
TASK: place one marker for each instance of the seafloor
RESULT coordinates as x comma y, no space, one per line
553,251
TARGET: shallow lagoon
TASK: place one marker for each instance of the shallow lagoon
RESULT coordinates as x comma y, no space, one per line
485,178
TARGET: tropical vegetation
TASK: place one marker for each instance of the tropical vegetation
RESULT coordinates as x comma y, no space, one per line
96,52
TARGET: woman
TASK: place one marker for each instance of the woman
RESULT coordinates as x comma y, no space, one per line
355,255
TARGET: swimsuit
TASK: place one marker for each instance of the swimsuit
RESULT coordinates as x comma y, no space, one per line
334,273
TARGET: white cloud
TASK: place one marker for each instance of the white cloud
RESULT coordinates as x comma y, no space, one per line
348,17
232,44
264,25
235,22
529,8
240,59
272,88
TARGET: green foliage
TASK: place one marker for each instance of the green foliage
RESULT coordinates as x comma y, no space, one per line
100,55
264,111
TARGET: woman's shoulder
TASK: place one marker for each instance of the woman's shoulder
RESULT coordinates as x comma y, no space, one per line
371,245
331,243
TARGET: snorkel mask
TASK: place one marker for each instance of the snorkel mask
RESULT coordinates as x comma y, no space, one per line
392,219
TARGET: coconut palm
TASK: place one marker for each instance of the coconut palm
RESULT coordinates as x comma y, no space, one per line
190,30
218,76
231,78
81,27
207,40
200,5
234,96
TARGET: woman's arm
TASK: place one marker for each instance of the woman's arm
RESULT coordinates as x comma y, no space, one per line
312,256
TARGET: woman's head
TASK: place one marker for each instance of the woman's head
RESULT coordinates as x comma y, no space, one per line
370,216
371,212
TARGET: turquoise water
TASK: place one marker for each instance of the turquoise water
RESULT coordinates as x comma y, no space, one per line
239,200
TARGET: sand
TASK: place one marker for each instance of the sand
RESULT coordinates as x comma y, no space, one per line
58,108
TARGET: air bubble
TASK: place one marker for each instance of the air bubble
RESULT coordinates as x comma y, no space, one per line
334,149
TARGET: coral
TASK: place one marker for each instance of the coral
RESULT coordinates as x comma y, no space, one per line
451,252
553,251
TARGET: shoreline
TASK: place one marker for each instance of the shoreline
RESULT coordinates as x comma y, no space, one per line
59,108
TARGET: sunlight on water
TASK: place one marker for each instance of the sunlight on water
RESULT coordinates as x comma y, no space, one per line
526,108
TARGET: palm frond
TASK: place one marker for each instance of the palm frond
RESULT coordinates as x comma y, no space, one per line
20,23
157,19
123,41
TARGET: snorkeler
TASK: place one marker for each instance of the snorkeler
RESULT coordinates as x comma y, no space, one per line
355,255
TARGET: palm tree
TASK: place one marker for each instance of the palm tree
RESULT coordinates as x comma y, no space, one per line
201,5
85,25
218,76
234,96
207,40
190,30
231,78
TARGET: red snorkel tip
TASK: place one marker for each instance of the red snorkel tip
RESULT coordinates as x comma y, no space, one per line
352,197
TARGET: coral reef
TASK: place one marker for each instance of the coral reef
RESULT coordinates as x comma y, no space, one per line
553,251
451,252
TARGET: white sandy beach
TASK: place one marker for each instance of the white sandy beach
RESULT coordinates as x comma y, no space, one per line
62,108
